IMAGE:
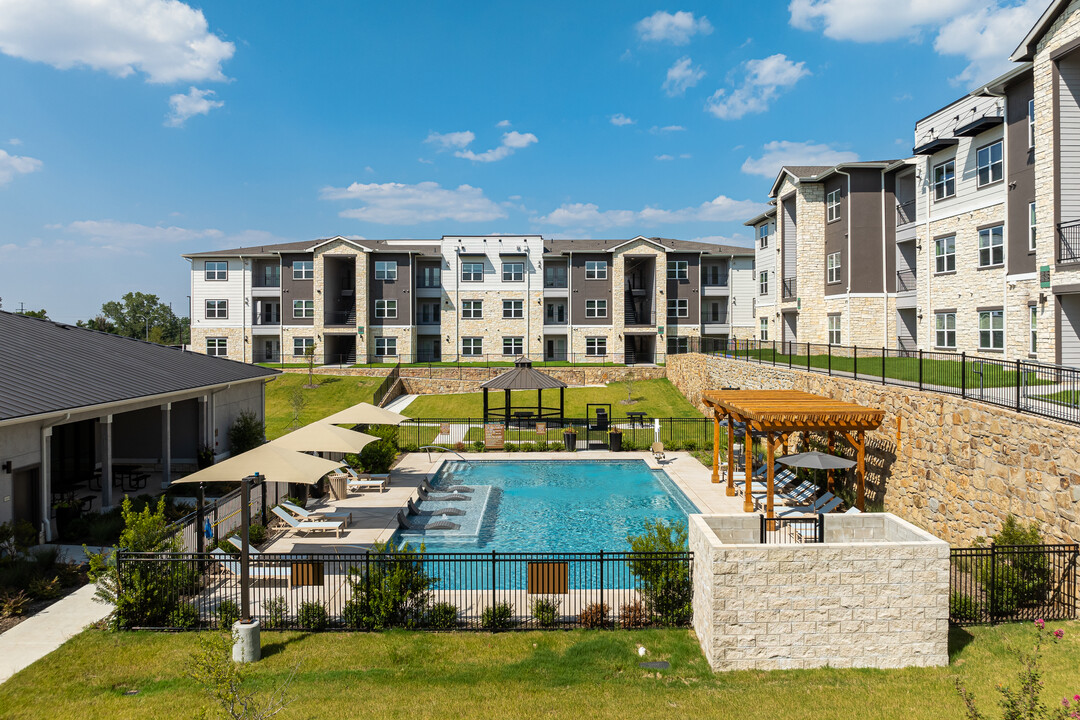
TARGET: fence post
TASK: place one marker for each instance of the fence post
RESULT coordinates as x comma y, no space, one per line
855,360
963,374
920,368
1018,384
821,527
200,519
830,359
602,585
992,605
807,357
494,598
263,503
774,352
884,355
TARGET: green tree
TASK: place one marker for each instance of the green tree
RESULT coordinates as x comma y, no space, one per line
665,577
143,316
36,313
246,433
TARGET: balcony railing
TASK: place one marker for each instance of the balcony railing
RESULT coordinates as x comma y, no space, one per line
265,282
905,213
555,320
1068,247
905,281
555,281
633,318
714,318
790,288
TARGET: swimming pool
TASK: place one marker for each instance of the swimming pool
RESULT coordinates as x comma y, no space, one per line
551,506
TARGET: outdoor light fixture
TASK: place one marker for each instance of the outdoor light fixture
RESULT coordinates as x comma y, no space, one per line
6,467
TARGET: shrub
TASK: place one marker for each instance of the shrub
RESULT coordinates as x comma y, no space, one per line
478,446
228,613
634,615
395,591
43,589
543,446
459,446
546,611
246,433
13,604
673,445
16,538
666,585
311,616
442,616
256,534
628,443
298,502
594,616
690,445
513,447
277,612
378,456
497,617
1020,579
963,607
185,616
556,446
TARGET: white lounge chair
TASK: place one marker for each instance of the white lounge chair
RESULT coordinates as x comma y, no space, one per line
358,482
235,541
308,525
255,572
305,514
825,504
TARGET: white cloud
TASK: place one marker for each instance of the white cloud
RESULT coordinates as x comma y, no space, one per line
15,142
784,152
402,204
619,120
676,29
503,123
764,79
425,161
664,158
195,102
127,237
511,141
720,209
12,165
982,35
657,130
681,76
685,156
165,39
449,141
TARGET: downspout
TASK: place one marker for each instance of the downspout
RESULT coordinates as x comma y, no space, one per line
528,298
929,262
244,309
847,292
46,475
570,306
884,269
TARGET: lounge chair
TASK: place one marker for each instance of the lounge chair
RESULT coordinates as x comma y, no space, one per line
826,504
304,514
440,498
413,510
452,489
852,510
235,541
404,524
658,451
255,572
308,525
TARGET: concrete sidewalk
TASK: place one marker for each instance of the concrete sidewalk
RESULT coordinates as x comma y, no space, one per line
37,636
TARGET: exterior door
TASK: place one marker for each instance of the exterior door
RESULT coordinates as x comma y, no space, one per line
26,494
1069,338
791,330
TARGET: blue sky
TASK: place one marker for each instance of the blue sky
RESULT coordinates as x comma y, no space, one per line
132,131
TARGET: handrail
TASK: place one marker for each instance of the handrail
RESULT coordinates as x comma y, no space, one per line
429,448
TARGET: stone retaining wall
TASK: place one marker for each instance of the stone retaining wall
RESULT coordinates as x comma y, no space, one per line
954,467
573,376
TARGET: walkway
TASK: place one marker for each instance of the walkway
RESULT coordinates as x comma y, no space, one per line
400,403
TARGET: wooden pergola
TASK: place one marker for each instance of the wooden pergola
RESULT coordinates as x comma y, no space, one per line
776,414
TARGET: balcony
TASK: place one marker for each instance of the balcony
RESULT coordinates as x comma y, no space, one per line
340,318
1068,245
905,281
905,213
633,318
790,289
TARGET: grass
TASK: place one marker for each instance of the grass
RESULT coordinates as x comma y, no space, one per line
332,394
655,398
580,674
486,363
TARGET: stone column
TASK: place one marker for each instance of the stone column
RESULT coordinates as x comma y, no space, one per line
46,484
106,425
166,445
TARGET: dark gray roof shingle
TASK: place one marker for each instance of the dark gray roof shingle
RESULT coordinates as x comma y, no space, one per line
49,367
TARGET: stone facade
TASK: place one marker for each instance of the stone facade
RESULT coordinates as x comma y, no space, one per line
236,341
955,467
874,594
572,376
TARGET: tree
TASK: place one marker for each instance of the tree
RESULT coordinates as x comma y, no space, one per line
36,313
309,358
140,315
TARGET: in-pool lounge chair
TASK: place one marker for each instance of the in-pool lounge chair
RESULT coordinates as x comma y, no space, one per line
403,523
413,510
343,515
440,498
426,486
232,565
309,525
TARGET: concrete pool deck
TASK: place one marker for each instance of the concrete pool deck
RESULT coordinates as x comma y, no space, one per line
374,513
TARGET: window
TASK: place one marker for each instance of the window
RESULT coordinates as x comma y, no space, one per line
513,309
596,269
472,346
678,308
385,346
945,254
555,313
834,330
513,272
303,270
596,308
596,346
430,276
991,330
945,330
386,308
678,269
472,309
832,205
763,235
1033,335
555,276
217,270
764,334
217,347
1031,124
217,309
989,163
472,272
763,282
386,270
303,308
1031,225
302,345
832,263
991,250
678,345
428,313
945,180
513,346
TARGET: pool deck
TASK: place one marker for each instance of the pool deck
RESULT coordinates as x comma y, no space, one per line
374,512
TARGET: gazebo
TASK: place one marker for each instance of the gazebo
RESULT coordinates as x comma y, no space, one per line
778,413
523,377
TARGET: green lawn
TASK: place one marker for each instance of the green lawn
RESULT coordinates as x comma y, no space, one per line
656,398
579,674
333,393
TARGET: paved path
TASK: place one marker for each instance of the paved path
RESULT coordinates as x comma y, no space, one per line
37,636
400,403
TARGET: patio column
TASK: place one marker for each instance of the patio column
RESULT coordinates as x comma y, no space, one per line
769,459
506,409
860,469
106,424
730,456
832,448
485,404
748,458
166,444
46,483
716,448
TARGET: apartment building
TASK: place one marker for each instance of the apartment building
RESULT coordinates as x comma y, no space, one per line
469,298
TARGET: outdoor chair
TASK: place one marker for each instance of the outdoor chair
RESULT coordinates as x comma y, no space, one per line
357,482
658,451
232,566
426,486
413,510
343,515
404,524
826,504
440,498
234,540
308,525
852,510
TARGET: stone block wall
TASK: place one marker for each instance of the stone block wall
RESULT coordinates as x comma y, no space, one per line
847,602
955,467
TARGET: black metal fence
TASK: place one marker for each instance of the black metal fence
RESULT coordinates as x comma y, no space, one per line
1012,582
505,360
543,434
1051,391
223,515
386,385
432,591
790,530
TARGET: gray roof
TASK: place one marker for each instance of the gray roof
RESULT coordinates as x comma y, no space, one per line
51,367
289,247
522,377
602,246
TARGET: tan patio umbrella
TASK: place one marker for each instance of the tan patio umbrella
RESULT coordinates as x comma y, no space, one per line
365,414
270,463
322,436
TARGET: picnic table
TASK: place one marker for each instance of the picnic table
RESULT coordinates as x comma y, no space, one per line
523,417
636,417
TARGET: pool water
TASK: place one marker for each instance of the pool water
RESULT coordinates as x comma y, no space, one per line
561,506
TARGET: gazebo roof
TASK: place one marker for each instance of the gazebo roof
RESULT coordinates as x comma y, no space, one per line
522,377
780,410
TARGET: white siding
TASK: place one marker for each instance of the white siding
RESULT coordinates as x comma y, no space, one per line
968,195
791,237
1069,125
743,292
765,259
234,290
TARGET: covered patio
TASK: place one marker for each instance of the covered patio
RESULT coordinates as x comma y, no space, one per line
774,415
523,377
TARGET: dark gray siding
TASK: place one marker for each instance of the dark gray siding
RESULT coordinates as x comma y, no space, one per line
890,231
1021,169
688,289
583,290
866,260
836,234
294,290
390,289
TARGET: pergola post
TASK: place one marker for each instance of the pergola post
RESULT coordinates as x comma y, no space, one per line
716,448
485,405
748,503
506,408
730,456
769,460
539,403
860,469
562,403
832,447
